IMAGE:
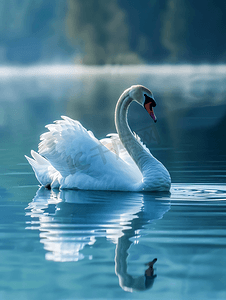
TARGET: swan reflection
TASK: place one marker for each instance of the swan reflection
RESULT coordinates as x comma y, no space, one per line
71,220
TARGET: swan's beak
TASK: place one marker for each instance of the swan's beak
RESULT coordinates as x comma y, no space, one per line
152,114
150,110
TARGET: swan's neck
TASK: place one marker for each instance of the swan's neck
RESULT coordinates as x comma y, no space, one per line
155,175
134,148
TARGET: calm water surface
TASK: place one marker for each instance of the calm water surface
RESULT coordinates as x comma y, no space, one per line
96,245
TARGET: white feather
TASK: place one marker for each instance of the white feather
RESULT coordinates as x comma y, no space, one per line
81,160
71,157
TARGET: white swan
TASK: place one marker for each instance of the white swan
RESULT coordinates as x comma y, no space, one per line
70,157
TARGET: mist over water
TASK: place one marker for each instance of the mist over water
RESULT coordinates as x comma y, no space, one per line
56,244
73,58
191,109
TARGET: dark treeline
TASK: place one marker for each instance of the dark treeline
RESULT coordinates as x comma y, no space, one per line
179,30
149,30
113,31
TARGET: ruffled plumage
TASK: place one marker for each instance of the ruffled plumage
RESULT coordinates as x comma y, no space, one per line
71,157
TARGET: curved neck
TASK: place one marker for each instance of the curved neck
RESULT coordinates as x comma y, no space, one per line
134,148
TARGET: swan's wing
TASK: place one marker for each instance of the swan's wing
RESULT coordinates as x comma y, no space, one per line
65,146
71,149
43,169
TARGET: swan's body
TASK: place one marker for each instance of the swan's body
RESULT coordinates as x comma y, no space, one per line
70,157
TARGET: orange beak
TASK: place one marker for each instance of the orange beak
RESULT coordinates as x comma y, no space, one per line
149,109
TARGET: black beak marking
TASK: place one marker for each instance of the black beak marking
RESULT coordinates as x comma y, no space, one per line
149,100
148,105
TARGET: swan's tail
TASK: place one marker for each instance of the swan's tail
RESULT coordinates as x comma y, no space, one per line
44,171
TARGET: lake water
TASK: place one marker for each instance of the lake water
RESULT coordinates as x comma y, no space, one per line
95,245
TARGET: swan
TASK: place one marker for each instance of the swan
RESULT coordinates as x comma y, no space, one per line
71,157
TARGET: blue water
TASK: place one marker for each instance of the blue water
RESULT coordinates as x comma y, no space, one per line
95,245
74,244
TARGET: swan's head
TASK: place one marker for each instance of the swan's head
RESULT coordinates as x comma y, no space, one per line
144,97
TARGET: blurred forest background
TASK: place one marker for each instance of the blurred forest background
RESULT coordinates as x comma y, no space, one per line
97,32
